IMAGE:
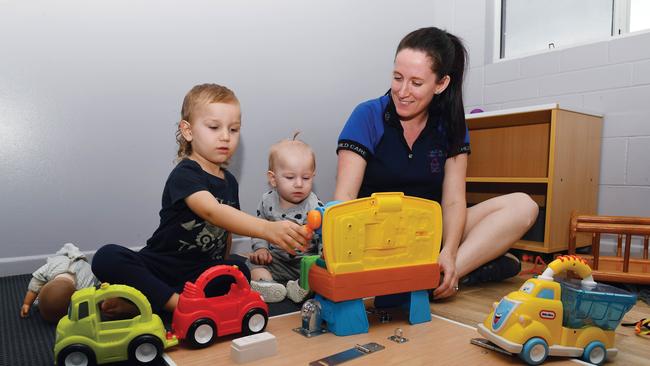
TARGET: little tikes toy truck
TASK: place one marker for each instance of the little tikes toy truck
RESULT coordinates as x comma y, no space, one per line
381,245
200,319
82,338
567,318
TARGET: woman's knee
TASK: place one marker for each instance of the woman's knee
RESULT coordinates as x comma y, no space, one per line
527,208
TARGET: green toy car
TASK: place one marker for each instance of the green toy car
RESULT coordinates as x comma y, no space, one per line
83,338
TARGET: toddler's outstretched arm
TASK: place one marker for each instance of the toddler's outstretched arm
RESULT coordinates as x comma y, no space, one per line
286,234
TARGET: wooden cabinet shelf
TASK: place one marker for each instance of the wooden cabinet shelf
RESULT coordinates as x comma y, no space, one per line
550,153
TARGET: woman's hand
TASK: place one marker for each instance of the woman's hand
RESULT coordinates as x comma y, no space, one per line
449,285
287,235
261,256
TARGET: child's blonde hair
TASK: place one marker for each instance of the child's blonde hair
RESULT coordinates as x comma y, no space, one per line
280,146
200,94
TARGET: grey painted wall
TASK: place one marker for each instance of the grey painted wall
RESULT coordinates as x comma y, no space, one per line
90,92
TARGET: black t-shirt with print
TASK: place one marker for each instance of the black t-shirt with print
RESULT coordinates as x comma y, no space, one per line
182,233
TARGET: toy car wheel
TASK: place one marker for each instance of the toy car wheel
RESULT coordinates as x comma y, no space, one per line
145,349
76,355
534,351
595,353
254,321
202,333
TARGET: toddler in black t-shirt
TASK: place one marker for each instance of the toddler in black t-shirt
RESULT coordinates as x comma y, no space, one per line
200,210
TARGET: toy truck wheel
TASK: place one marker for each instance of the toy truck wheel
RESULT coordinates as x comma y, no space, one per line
534,352
145,350
595,353
254,321
76,355
202,333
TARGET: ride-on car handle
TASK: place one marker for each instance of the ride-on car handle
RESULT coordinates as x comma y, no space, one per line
212,273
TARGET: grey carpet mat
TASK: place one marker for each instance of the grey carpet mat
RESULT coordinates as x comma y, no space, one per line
30,342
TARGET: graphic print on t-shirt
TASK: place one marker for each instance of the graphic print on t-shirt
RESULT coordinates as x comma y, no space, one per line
210,240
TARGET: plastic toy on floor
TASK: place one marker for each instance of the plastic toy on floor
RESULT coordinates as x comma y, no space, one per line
55,282
538,265
84,338
200,319
381,245
548,317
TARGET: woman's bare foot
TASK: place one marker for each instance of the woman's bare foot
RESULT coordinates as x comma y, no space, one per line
117,308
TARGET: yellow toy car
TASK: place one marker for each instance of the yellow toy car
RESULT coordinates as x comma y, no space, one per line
83,338
566,318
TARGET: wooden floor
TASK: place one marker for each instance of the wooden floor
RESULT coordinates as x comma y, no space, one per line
449,341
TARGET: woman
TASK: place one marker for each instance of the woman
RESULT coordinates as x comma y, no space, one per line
414,140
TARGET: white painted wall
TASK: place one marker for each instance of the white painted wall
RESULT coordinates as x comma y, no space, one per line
610,77
90,92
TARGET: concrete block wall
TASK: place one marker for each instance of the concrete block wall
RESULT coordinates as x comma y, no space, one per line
614,81
610,77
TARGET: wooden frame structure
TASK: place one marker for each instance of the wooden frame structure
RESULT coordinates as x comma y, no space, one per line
621,267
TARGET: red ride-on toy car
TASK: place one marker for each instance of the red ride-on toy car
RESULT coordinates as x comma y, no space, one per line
200,319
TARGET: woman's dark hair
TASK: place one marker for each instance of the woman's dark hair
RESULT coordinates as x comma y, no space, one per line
448,57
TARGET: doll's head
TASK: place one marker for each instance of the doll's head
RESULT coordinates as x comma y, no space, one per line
54,298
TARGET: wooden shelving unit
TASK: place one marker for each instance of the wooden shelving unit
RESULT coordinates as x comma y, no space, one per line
550,153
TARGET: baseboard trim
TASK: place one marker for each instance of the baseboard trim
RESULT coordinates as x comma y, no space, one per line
20,265
11,266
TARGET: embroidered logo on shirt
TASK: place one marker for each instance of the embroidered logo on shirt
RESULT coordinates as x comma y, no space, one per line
435,160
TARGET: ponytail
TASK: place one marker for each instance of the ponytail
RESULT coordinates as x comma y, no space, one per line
453,96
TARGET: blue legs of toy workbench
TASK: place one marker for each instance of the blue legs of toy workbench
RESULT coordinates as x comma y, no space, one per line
417,303
349,317
345,317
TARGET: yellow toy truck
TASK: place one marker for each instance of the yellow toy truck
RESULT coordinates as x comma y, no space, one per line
83,338
559,318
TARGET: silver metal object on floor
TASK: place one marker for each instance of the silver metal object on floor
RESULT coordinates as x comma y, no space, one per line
347,355
312,322
398,336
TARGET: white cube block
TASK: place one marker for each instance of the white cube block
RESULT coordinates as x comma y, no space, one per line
253,347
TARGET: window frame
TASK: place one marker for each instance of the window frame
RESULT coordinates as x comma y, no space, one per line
620,29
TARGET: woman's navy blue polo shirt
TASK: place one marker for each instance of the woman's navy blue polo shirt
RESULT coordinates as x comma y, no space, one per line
374,132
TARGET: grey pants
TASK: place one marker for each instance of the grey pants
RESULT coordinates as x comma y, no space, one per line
281,269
